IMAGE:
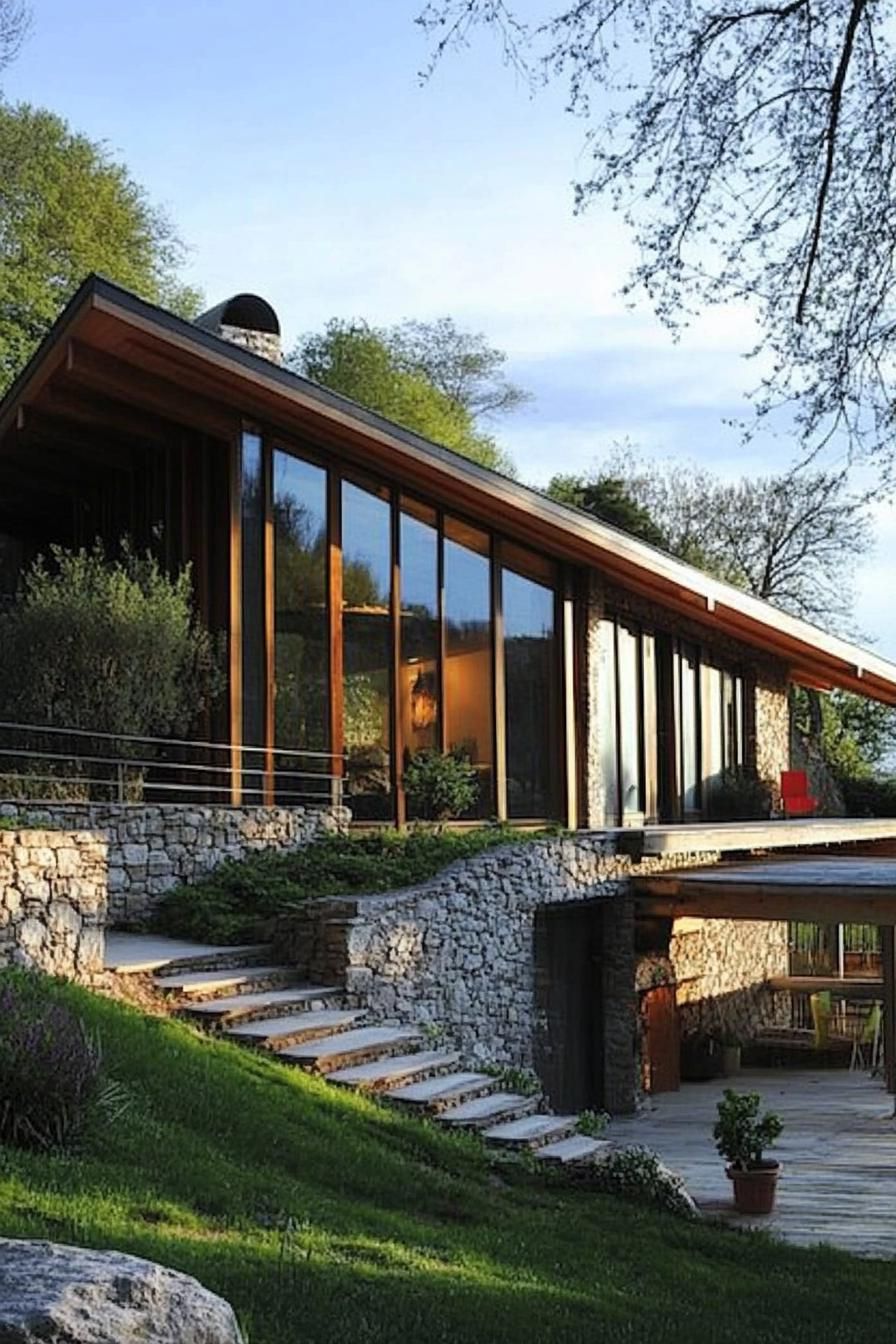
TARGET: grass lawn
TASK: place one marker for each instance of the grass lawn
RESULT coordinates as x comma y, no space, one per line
397,1232
235,902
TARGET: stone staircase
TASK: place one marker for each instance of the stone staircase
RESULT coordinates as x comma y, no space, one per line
244,996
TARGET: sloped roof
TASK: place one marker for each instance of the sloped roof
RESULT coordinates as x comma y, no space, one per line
149,339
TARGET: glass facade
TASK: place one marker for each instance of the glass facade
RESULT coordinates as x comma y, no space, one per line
375,627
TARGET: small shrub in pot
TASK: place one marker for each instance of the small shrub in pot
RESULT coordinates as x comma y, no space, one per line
742,1136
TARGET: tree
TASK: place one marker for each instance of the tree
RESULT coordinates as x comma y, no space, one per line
66,208
15,20
608,498
750,148
434,380
856,736
792,538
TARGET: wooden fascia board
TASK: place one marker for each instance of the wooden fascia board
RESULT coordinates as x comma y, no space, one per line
764,901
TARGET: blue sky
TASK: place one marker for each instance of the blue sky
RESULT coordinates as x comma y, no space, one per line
295,148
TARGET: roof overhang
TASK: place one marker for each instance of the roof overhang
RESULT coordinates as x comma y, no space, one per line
109,337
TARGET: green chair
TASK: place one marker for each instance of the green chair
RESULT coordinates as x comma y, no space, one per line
867,1041
821,1009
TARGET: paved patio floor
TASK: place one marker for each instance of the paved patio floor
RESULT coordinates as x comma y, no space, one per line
838,1150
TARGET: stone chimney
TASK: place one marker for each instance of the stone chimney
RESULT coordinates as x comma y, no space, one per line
248,321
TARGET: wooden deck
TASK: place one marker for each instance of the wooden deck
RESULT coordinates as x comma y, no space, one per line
838,1150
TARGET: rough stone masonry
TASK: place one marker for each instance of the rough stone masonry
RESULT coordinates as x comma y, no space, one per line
53,901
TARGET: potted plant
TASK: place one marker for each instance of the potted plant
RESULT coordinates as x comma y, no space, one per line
731,1047
741,1136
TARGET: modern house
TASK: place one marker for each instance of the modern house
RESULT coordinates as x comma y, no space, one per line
380,594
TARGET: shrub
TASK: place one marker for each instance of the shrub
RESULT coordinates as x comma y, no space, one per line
238,900
739,1133
873,796
440,785
108,645
50,1067
738,794
637,1174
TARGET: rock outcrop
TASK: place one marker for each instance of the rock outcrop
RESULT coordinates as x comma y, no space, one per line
74,1296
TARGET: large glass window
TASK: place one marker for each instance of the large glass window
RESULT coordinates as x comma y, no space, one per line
628,673
419,674
689,727
608,730
530,696
253,606
301,628
469,687
367,650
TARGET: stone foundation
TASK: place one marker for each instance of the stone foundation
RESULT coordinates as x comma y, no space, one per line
721,968
53,902
152,848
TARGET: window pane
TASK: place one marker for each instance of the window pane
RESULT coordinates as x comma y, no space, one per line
690,741
253,653
630,702
608,730
419,632
469,694
367,645
530,695
301,632
713,735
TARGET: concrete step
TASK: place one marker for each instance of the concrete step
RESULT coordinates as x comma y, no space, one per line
219,984
267,1003
276,1032
350,1047
434,1094
530,1131
576,1148
384,1074
483,1111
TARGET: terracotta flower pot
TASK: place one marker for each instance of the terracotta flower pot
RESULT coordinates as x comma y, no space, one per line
754,1189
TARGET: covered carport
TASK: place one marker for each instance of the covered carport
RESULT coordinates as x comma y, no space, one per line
828,888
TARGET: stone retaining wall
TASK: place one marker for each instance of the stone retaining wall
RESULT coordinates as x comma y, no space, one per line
53,901
153,847
457,954
721,967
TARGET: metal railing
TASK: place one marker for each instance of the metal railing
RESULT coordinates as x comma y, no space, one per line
40,764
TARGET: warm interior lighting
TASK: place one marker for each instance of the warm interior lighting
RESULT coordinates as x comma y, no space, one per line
424,705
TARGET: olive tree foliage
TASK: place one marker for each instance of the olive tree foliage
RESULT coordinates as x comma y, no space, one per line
432,378
67,208
750,148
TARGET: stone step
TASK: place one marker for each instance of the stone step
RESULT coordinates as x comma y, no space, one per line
384,1074
268,1003
276,1032
482,1111
434,1094
530,1131
576,1148
218,984
350,1047
139,954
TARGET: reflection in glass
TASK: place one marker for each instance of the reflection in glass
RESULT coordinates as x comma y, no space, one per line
301,715
419,676
367,646
628,664
690,740
253,652
529,675
468,655
607,727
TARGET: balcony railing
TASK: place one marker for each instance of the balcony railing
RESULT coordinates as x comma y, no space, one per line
43,765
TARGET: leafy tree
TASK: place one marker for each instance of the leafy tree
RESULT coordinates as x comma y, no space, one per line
608,498
750,148
856,736
400,375
66,208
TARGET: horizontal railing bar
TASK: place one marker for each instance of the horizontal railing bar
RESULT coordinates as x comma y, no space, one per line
134,762
170,741
112,785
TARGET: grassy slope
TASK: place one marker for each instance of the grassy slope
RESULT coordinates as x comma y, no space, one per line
399,1233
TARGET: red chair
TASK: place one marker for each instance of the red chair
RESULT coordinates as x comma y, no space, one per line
796,800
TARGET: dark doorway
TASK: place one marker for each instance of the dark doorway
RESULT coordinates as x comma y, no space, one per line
569,1052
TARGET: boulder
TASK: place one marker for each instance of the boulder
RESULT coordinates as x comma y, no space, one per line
75,1296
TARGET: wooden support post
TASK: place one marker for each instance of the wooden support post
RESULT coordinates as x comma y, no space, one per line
888,960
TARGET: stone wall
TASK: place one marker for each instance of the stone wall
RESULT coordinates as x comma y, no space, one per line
457,954
721,967
772,730
53,901
153,847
